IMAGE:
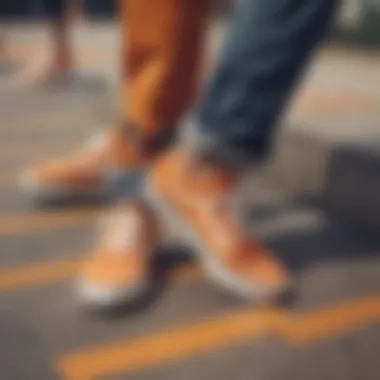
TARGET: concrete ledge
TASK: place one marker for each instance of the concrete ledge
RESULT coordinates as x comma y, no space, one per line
335,161
353,184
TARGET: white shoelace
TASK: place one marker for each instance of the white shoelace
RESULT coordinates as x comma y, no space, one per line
123,231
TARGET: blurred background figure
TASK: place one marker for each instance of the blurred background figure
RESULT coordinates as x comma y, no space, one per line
55,64
61,59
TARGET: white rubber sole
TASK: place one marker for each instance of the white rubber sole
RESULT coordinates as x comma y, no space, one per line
95,296
48,192
41,191
213,268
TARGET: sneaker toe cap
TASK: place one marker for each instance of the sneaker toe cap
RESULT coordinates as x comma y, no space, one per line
100,296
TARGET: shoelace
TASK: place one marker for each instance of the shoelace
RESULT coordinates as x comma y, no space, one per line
123,231
227,228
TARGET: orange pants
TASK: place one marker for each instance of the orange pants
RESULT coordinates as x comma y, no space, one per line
162,50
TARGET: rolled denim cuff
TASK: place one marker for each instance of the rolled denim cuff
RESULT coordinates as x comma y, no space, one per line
195,138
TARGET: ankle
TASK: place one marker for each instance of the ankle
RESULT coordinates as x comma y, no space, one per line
150,145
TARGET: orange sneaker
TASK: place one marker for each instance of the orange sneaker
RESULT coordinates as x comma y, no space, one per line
90,171
118,272
194,195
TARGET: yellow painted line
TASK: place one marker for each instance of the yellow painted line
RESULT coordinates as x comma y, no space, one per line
8,179
47,273
35,275
43,221
325,323
24,49
26,153
41,121
216,332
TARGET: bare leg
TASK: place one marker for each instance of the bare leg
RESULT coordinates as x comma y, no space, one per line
59,13
62,54
56,61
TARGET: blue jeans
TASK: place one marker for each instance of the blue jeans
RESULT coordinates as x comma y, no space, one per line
263,55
